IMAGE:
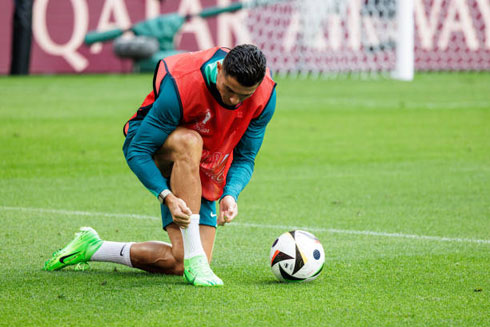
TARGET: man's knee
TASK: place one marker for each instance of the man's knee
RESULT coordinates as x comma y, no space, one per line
184,145
185,140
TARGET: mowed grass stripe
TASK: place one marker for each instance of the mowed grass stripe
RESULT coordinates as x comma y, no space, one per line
241,224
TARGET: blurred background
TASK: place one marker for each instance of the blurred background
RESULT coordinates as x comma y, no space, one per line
299,37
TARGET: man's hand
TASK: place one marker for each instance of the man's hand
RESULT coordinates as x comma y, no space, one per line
181,214
228,210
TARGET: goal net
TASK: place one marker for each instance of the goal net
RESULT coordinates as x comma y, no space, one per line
328,37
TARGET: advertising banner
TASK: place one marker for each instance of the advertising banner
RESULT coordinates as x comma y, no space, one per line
449,35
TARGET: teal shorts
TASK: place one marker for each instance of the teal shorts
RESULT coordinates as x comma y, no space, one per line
207,213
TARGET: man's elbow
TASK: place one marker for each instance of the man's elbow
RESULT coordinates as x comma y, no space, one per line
133,158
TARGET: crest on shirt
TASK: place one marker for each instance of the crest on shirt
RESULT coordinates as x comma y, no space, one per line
202,125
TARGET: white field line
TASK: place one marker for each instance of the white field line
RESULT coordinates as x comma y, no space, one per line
78,213
240,224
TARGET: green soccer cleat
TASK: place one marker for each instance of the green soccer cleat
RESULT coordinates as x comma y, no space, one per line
197,272
78,251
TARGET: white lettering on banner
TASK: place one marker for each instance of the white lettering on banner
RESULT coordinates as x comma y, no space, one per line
196,25
354,24
152,8
232,23
319,43
357,25
485,13
292,32
458,8
370,30
427,26
111,8
68,50
313,16
335,31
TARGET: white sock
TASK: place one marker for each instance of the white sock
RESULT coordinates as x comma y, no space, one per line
118,252
192,238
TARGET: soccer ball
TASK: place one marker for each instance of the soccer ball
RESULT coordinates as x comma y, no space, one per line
297,256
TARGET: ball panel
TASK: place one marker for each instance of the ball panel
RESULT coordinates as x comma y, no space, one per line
284,243
302,233
279,256
289,277
315,275
300,260
297,256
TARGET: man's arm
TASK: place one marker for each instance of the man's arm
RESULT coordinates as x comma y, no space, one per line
162,120
243,162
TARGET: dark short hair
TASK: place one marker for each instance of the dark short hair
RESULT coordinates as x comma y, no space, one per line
246,63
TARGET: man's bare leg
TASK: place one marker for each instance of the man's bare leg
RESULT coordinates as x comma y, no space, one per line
181,154
161,257
153,256
177,159
208,234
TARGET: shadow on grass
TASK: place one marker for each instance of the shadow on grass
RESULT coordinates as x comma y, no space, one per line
137,278
271,282
115,276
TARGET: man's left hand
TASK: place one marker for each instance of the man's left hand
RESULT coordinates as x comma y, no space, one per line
228,210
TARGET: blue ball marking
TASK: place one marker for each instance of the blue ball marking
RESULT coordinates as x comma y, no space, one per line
275,242
316,254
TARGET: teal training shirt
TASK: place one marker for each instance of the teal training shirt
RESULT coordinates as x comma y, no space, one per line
211,72
147,136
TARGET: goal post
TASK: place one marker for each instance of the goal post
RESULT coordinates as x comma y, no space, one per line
405,58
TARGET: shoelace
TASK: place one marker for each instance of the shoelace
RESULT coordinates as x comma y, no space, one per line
203,267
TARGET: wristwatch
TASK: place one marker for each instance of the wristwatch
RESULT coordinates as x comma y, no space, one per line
163,195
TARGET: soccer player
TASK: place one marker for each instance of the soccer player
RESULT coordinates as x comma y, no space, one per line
192,142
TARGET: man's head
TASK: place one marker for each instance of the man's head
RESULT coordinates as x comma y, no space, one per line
240,74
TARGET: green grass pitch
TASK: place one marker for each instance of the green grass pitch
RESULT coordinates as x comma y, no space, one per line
392,177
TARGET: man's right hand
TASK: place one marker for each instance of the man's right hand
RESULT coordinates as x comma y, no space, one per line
181,214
